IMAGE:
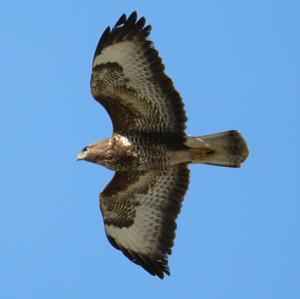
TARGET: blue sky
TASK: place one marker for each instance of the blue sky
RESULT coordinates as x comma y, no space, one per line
236,65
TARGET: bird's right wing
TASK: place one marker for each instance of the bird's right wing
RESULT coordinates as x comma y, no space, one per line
128,79
139,211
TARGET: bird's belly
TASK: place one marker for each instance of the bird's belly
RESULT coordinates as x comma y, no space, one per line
142,152
152,156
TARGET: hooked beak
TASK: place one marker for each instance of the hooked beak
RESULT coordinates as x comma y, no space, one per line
80,156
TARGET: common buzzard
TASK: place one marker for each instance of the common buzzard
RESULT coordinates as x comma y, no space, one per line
148,150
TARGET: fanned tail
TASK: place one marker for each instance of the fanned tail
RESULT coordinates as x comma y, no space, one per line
227,149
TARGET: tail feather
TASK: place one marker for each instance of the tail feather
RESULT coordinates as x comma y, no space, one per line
222,149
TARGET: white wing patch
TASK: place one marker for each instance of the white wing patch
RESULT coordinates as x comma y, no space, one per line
131,57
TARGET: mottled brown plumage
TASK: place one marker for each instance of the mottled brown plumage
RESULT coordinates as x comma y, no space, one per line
149,150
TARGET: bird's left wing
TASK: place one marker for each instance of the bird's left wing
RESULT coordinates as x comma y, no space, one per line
139,211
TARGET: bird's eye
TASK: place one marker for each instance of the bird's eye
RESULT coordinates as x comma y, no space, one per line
85,149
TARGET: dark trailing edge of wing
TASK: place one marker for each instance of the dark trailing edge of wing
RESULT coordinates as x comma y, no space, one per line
157,267
127,29
172,209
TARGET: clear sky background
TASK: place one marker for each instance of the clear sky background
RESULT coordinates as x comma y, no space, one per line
236,65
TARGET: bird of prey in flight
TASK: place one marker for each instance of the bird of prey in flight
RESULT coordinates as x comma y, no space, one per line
149,149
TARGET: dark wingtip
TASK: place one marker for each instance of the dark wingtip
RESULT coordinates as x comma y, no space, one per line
146,30
132,18
121,20
125,28
140,23
103,40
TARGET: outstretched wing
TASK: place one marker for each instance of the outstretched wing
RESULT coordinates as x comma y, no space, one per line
139,211
128,79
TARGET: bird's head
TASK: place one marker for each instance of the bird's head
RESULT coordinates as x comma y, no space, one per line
99,153
84,154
